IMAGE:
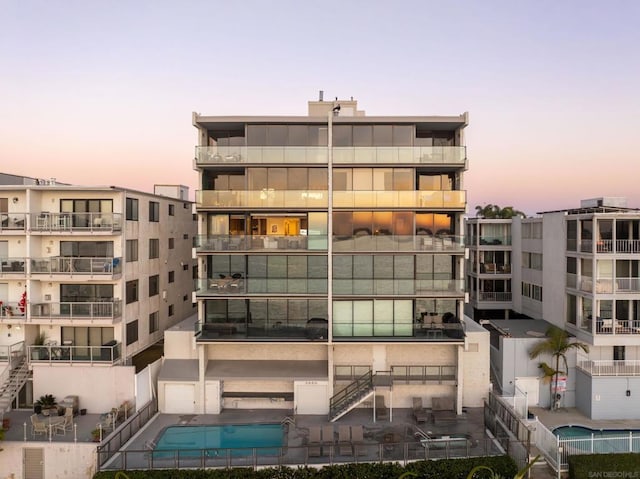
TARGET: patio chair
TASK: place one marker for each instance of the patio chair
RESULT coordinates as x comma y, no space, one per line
38,426
313,441
106,421
327,439
420,414
66,424
443,409
344,441
357,440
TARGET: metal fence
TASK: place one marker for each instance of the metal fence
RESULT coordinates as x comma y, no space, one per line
112,444
329,454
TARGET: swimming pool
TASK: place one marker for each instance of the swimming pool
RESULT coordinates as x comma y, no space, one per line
584,439
238,440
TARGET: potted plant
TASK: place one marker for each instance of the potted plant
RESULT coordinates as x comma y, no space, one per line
39,352
95,435
46,403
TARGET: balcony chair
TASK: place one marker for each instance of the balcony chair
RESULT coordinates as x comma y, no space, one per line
38,426
420,414
344,440
313,441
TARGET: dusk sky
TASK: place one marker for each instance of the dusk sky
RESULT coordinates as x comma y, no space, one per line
101,92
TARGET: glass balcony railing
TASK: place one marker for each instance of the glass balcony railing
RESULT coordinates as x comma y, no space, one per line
84,222
495,240
435,155
240,329
426,287
77,310
9,310
231,286
12,265
216,155
367,242
453,199
494,296
495,268
74,265
73,354
211,243
389,330
12,222
266,198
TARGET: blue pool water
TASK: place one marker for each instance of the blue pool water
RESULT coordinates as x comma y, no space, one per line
215,440
604,440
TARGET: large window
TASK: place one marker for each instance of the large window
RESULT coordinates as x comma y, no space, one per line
132,332
86,249
86,212
154,322
86,293
373,135
132,291
373,318
154,248
154,285
132,250
132,209
154,211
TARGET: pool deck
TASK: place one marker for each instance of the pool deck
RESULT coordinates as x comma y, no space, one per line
572,417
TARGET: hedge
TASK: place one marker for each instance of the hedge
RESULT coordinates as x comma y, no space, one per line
589,465
441,469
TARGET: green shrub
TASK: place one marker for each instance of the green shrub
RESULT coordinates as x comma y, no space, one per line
441,469
586,465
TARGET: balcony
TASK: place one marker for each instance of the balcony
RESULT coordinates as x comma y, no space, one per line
12,266
76,222
425,155
615,326
224,155
610,367
396,331
77,310
608,285
70,266
382,242
12,222
266,198
75,354
240,285
495,268
423,374
494,296
240,329
494,240
452,199
11,310
629,246
414,155
224,243
409,287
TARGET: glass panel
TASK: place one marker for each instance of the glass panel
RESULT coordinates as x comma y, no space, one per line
318,179
298,135
362,267
318,135
403,135
256,135
383,318
363,318
276,266
342,135
342,179
382,222
402,318
362,223
276,135
297,267
362,179
277,178
257,179
343,318
296,178
362,135
383,267
382,135
317,267
403,179
383,179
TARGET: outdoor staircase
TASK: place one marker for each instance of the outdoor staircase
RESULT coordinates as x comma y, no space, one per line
12,382
355,393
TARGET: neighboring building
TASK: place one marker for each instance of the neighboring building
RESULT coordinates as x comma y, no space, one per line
580,270
330,248
89,277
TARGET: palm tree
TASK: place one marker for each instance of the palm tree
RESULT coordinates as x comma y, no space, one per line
557,344
494,211
548,374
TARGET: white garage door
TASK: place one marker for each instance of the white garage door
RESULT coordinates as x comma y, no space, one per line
179,398
311,398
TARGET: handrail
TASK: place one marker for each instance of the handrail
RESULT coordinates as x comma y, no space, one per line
364,382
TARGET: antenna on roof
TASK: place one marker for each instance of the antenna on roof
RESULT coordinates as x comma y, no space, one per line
321,95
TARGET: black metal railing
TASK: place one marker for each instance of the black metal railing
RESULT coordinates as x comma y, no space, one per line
354,391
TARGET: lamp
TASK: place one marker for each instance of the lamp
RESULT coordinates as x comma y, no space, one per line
15,199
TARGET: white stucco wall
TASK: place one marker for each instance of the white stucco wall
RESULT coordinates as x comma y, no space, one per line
475,365
98,388
62,460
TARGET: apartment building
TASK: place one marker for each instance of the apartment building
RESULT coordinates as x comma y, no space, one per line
580,270
331,266
89,277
